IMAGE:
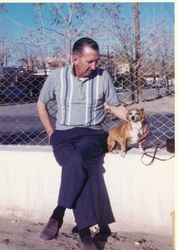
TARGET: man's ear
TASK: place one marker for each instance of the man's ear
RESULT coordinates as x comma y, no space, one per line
75,58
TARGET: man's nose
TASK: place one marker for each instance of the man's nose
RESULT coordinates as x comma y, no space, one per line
93,65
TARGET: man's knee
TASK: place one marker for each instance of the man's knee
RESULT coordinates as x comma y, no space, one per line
69,159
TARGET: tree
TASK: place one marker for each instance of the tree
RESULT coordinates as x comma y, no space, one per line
69,21
159,53
123,36
143,46
4,48
137,52
4,53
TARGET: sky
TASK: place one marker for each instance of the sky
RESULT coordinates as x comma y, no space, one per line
20,17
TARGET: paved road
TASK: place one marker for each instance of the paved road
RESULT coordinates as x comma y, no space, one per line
28,129
20,124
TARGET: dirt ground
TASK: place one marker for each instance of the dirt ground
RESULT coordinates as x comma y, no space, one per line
16,234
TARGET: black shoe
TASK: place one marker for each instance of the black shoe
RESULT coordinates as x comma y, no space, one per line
75,230
50,231
104,232
101,238
87,243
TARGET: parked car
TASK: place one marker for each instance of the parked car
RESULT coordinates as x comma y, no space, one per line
19,86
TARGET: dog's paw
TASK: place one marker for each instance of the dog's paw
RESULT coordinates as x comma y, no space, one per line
115,151
141,149
122,154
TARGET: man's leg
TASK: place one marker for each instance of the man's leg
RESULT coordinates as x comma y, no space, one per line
73,179
93,205
75,171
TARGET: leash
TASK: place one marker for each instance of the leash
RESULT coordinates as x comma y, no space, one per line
153,157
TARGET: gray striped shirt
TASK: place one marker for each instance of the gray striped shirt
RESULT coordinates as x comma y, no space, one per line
80,102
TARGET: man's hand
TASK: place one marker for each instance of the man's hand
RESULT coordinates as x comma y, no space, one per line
50,134
119,111
145,134
45,118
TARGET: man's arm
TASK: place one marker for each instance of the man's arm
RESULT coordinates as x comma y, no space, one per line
44,117
119,111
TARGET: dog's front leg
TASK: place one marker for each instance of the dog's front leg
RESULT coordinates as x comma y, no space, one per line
123,148
111,144
141,148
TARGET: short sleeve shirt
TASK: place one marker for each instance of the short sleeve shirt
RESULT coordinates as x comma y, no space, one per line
80,102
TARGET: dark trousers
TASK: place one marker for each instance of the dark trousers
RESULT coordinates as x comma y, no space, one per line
80,153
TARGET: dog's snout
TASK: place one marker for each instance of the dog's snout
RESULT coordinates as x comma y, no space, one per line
133,118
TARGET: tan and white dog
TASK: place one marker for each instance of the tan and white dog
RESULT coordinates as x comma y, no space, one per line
127,133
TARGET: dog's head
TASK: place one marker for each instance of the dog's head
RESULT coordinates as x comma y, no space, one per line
135,115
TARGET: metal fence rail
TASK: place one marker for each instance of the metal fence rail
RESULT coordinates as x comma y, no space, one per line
20,124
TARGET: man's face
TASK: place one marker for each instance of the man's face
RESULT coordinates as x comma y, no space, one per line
85,63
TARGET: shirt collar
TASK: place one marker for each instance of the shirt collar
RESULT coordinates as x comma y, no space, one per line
83,79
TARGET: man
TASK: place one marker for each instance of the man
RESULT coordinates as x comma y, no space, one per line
79,143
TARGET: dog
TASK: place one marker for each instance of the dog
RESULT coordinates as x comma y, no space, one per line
127,133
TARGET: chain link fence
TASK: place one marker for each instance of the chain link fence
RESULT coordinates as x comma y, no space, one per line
137,50
20,88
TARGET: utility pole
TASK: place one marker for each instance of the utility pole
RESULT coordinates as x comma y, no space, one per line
108,60
137,52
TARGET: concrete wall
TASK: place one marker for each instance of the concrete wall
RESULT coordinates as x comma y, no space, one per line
142,197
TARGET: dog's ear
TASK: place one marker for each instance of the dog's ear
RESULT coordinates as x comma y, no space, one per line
143,114
127,116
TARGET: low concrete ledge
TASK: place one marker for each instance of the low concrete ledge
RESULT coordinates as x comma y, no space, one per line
142,197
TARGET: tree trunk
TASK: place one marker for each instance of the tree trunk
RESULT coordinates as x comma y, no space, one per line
137,52
132,74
